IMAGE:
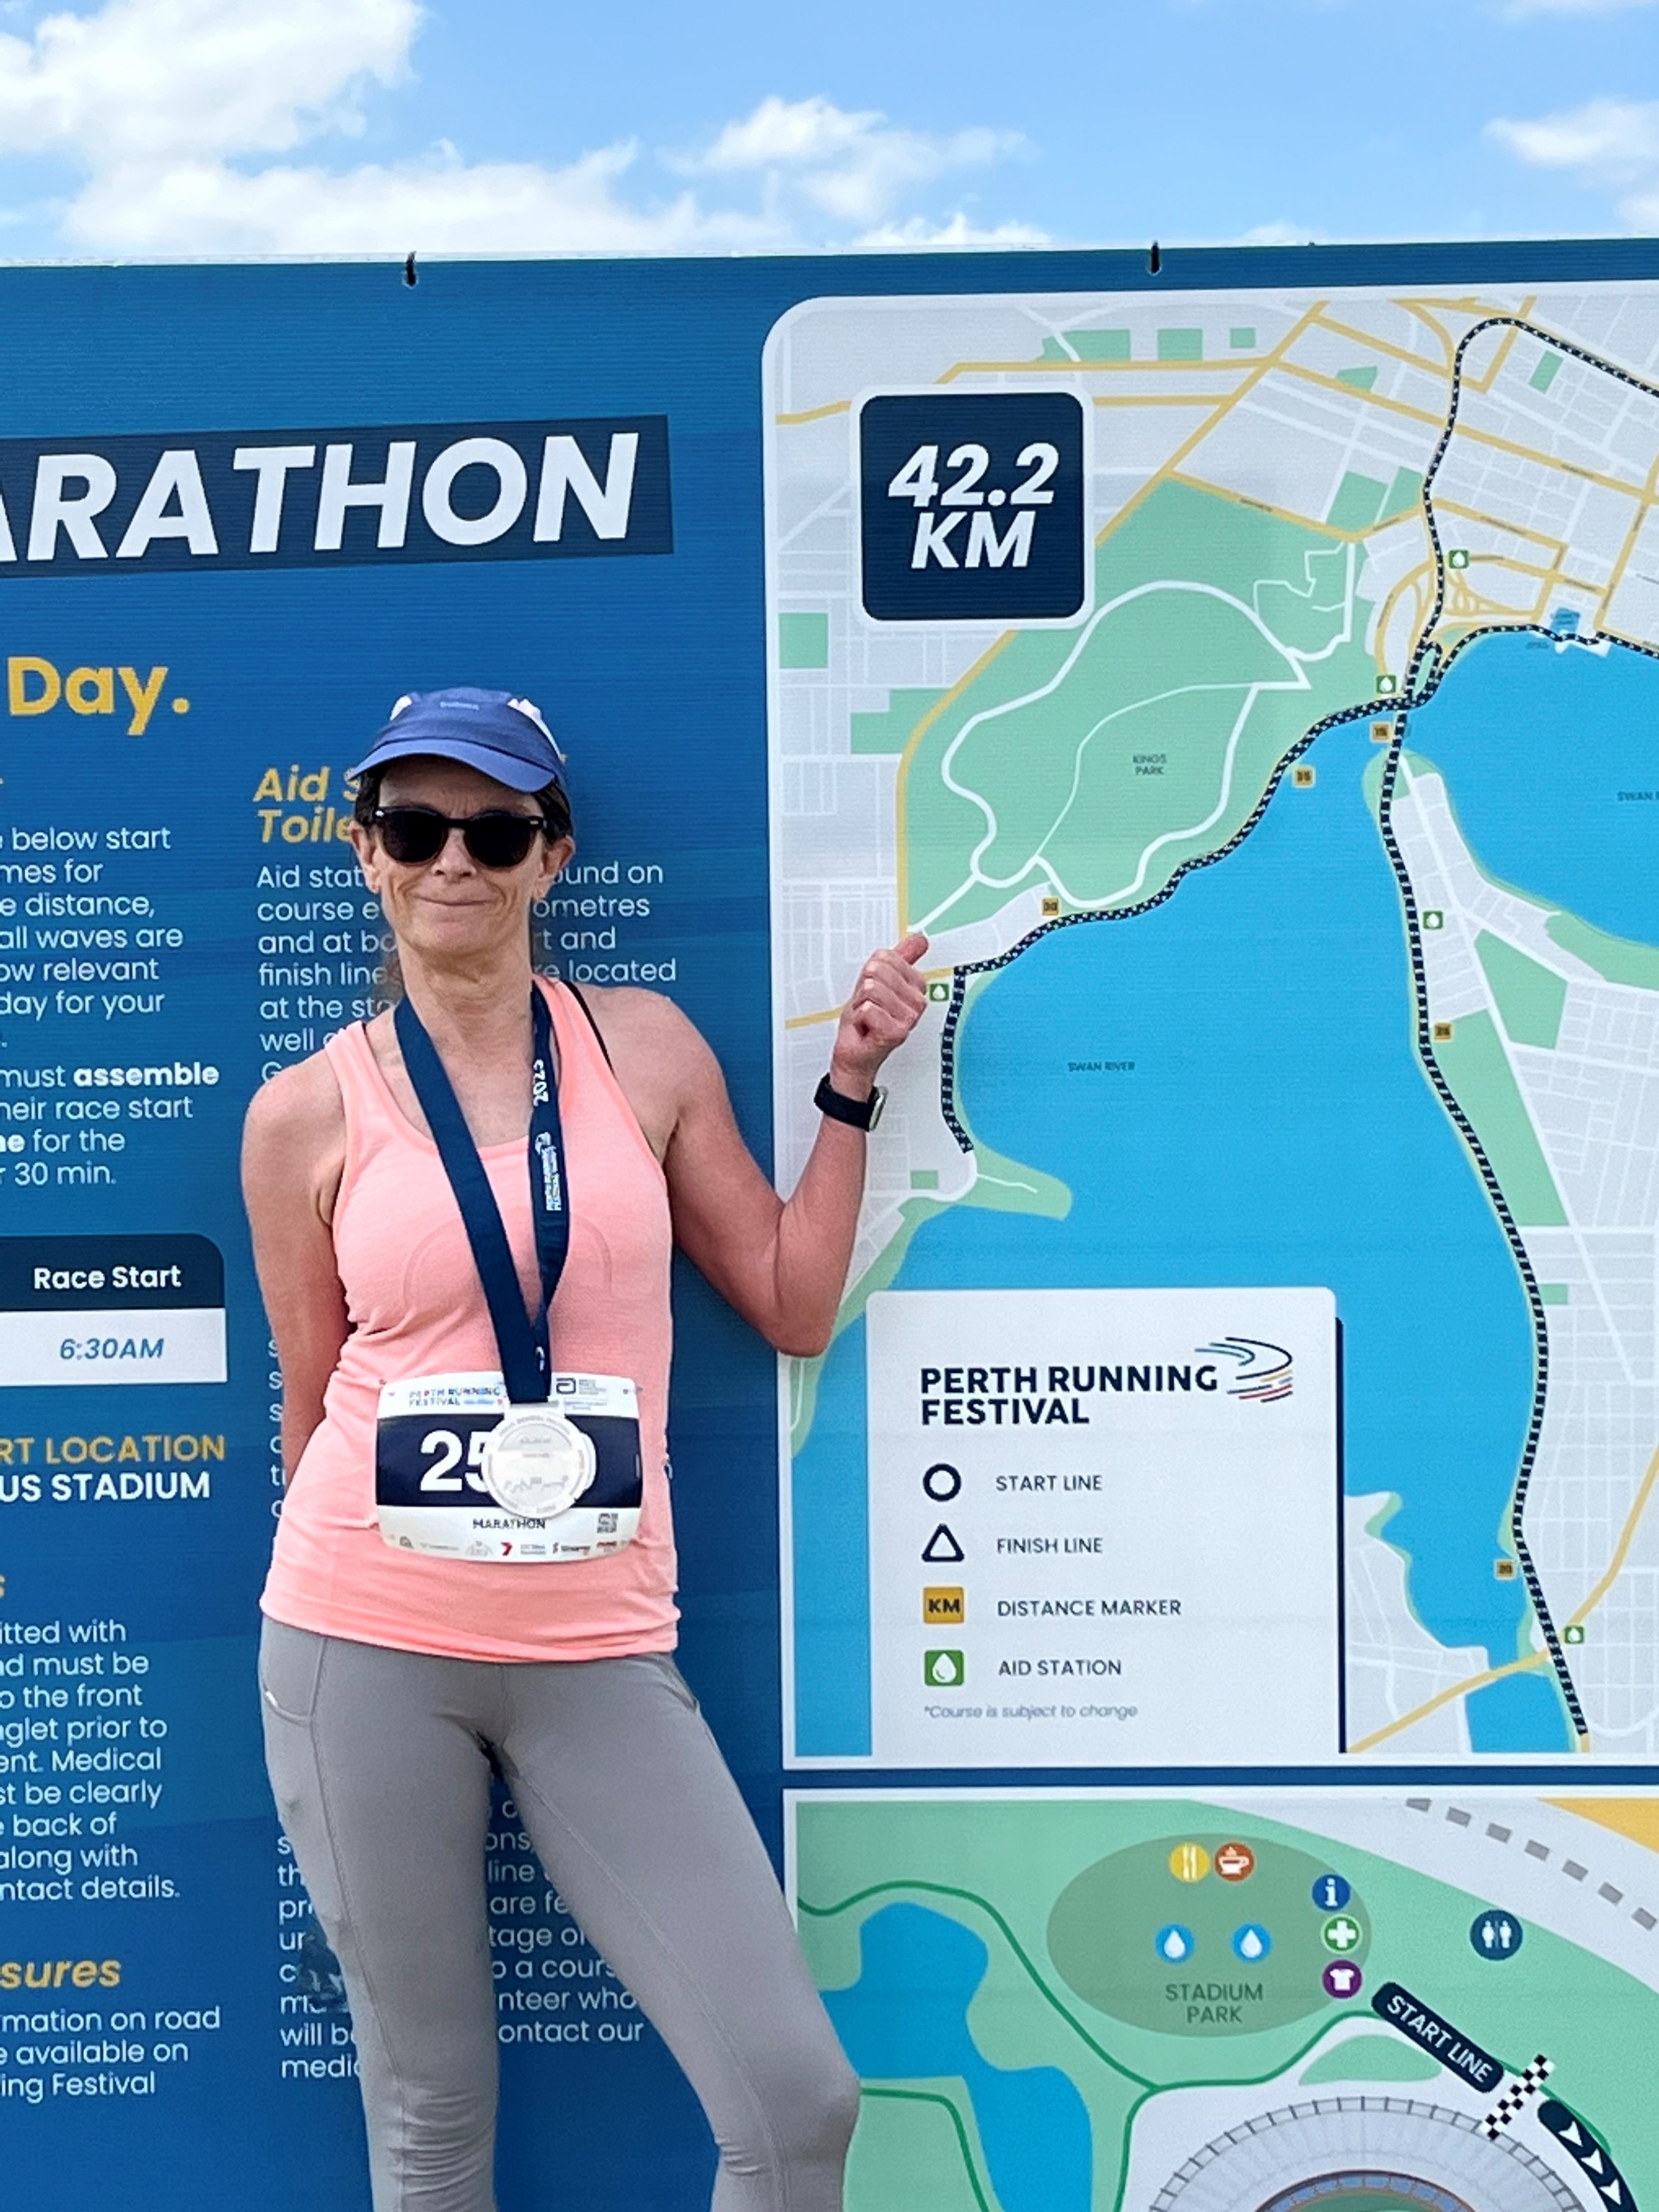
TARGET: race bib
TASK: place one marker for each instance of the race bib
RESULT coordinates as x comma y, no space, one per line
429,1492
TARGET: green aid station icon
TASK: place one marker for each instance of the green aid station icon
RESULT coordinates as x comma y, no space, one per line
943,1670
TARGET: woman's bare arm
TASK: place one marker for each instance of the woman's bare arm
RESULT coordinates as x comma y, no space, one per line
782,1266
293,1154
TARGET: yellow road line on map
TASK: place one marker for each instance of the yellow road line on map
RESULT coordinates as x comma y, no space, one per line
1384,345
1621,1551
1625,489
1357,392
1576,1620
1628,547
1419,308
1090,367
1266,506
1510,529
814,414
1486,383
1416,579
1444,1697
1171,467
1161,474
1159,398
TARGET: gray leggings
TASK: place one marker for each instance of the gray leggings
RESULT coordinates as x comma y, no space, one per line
381,1761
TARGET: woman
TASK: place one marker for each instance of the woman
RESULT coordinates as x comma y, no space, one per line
465,1578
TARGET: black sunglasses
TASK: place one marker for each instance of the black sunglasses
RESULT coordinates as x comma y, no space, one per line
495,839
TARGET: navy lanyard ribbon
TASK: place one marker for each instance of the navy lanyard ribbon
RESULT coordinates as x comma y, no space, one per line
521,1339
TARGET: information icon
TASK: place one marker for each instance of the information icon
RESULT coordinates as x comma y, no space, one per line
1331,1893
1496,1935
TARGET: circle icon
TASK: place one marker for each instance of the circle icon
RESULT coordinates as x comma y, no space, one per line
1342,1978
1175,1942
1341,1935
1331,1893
1189,1862
1252,1941
1496,1934
941,1483
1235,1862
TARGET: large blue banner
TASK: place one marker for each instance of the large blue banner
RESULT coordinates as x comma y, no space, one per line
990,594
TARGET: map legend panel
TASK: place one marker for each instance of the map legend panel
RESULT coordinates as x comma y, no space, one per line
1136,1495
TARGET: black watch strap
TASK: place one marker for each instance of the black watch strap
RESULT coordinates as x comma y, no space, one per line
857,1113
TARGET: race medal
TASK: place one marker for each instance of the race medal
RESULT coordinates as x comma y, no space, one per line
490,1466
536,1463
568,1485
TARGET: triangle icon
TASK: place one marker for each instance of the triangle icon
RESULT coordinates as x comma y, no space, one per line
1613,2192
1591,2162
942,1548
1570,2134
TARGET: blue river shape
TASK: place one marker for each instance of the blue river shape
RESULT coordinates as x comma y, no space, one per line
906,2019
1536,743
1277,1128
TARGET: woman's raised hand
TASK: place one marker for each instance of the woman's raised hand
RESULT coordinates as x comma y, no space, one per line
883,1006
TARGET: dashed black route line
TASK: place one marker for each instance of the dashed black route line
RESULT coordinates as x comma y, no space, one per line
1500,1206
1430,664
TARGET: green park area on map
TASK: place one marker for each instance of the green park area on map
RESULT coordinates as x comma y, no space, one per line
1293,922
999,1971
1221,636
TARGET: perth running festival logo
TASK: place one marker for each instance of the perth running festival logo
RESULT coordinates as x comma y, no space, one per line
1264,1370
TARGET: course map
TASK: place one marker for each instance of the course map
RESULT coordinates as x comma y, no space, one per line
1064,2001
1350,752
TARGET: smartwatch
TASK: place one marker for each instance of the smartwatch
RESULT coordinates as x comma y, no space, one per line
857,1113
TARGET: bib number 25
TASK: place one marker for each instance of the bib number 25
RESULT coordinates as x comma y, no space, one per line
446,1450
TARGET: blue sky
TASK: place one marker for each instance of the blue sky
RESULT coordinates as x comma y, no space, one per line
144,127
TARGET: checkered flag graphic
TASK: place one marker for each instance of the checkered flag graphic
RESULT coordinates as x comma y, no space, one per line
1513,2101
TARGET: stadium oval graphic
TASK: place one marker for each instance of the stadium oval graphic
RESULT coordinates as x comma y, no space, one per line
1355,2152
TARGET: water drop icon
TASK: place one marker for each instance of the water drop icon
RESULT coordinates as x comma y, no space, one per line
944,1668
1175,1942
1252,1941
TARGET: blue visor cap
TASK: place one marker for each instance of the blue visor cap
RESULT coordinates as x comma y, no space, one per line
490,730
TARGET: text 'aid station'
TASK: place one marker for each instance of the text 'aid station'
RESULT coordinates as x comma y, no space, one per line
1238,1362
1123,1506
1134,1493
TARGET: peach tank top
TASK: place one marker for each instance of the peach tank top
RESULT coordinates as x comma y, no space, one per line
417,1308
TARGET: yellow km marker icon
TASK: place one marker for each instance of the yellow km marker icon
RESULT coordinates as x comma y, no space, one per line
944,1605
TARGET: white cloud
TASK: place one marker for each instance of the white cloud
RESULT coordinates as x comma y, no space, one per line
172,78
1610,144
173,108
852,164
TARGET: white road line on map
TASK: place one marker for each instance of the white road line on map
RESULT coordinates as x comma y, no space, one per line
841,493
1155,699
1046,691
